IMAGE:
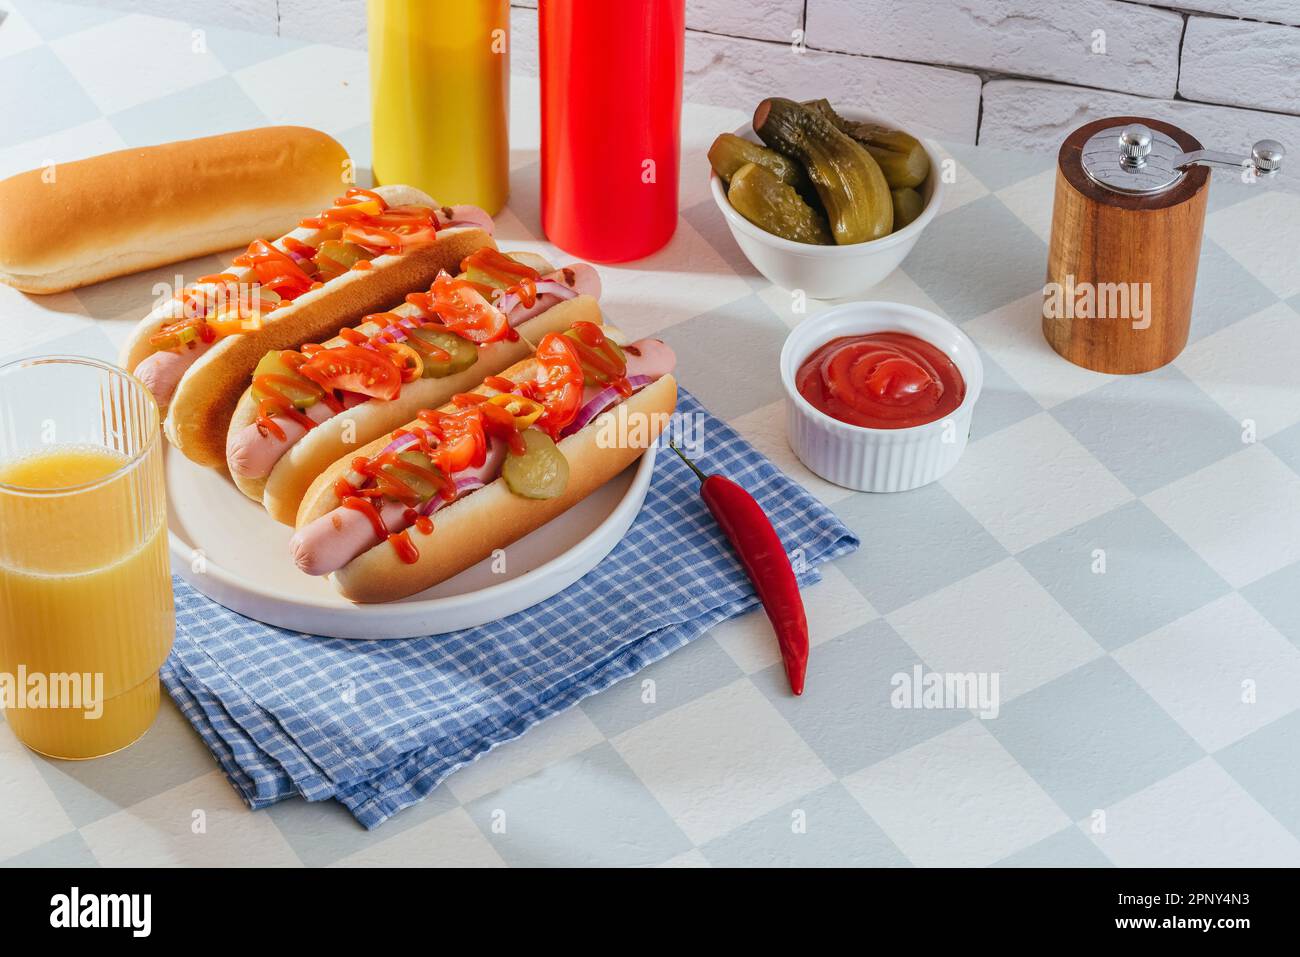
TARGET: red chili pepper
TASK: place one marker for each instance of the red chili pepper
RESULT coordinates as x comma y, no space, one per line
763,556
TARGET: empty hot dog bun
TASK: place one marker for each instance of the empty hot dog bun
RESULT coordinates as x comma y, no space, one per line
473,527
343,435
199,389
77,223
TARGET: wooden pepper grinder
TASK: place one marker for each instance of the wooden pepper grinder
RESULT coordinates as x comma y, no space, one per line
1126,238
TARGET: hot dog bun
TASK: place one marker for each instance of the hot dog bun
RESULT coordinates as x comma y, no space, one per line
282,491
82,222
208,393
472,528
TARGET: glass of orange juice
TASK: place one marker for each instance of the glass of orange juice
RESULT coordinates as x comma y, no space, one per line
86,609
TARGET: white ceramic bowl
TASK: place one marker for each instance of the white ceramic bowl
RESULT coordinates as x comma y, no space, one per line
830,272
878,460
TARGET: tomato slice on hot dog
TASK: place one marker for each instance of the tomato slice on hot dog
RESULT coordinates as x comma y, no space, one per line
559,384
354,369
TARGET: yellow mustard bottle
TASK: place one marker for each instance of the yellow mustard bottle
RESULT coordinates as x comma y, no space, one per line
440,98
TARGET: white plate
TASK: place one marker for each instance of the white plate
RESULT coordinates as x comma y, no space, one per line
228,548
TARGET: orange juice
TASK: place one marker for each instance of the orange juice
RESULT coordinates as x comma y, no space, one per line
69,734
86,610
440,98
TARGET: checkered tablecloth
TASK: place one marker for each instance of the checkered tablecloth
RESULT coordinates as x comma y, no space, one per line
1124,553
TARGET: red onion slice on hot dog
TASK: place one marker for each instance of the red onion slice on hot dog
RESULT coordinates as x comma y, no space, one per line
647,361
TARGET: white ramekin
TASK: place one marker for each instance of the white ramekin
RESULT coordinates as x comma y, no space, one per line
830,272
878,460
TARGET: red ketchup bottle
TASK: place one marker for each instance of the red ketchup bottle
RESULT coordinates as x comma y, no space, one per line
611,124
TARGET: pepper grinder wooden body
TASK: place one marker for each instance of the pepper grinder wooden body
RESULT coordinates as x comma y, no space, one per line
1121,268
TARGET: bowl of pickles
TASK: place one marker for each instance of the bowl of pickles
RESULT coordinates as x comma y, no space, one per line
824,200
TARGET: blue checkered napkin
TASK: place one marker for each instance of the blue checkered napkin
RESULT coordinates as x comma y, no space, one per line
377,725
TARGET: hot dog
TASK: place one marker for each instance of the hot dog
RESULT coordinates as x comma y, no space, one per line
446,490
197,350
307,407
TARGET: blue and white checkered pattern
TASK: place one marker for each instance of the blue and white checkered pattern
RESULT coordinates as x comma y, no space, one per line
379,725
1123,552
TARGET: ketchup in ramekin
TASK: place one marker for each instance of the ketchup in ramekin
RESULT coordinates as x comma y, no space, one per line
883,380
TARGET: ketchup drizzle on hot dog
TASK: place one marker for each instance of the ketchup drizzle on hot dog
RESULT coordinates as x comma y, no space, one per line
405,548
361,193
519,279
381,470
401,541
271,401
364,506
450,441
275,401
287,267
491,262
292,245
608,365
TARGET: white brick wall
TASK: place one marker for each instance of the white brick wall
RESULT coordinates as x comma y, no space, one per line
1038,116
1010,72
737,72
740,73
1272,11
1242,64
1094,42
341,22
758,19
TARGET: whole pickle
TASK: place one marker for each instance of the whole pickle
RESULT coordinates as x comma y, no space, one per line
901,156
730,152
848,180
907,206
758,195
